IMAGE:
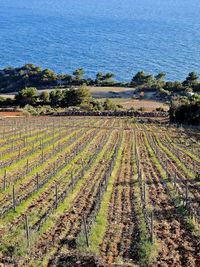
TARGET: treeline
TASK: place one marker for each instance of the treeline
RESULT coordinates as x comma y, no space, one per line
72,97
29,75
185,110
15,79
166,90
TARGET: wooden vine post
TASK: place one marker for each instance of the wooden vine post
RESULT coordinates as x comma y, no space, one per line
13,197
37,181
139,177
194,166
4,181
72,180
151,237
42,154
19,152
144,192
186,194
85,231
56,196
174,181
27,231
54,167
59,146
27,166
166,163
83,169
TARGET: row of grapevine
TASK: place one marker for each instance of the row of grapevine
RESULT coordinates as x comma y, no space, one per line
125,191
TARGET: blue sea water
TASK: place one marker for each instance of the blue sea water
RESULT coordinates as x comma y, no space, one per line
102,35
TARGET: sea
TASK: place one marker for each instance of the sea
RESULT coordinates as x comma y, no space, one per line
116,36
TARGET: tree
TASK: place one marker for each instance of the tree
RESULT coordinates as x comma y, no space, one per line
78,74
109,76
97,105
164,93
191,79
27,96
104,78
76,97
160,76
141,79
56,97
29,67
196,87
44,97
89,81
109,105
48,77
83,94
99,77
186,110
173,86
192,76
69,97
67,79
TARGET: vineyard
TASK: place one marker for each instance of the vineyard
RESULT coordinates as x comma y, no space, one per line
94,191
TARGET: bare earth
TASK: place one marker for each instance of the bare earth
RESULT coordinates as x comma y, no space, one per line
118,95
148,105
10,113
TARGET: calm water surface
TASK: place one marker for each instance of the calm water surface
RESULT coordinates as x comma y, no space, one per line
108,35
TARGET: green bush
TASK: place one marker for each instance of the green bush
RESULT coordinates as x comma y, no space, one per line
186,110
